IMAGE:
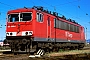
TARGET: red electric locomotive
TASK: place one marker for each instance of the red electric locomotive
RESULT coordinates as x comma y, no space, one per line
31,29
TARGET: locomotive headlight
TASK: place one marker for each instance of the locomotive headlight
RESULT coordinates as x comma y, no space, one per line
7,33
30,33
10,33
26,33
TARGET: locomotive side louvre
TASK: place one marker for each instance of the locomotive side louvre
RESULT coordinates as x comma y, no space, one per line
37,29
67,33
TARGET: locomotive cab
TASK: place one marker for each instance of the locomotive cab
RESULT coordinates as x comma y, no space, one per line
19,29
19,24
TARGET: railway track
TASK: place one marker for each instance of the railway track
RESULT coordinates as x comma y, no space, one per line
6,55
84,53
13,57
86,48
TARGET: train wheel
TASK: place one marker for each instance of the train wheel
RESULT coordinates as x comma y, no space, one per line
72,48
80,48
53,50
24,41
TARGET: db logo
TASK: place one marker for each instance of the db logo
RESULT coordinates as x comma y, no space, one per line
68,34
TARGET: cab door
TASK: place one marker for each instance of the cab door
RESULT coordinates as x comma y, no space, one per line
48,27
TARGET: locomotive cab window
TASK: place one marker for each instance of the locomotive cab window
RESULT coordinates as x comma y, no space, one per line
13,17
22,16
25,16
39,17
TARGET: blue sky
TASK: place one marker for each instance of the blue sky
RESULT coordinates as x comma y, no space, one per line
78,10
